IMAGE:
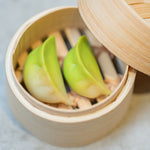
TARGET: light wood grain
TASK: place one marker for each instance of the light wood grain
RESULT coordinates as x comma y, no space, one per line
147,21
120,29
142,9
107,67
73,35
53,125
130,2
92,40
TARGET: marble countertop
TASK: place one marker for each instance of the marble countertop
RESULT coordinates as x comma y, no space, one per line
133,133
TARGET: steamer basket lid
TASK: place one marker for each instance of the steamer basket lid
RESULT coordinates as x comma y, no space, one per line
120,29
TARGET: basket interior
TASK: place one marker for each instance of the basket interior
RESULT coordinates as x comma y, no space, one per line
65,40
67,26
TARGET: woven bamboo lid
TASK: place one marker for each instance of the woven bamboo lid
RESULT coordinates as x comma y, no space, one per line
124,29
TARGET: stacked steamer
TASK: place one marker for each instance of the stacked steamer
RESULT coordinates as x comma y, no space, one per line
61,124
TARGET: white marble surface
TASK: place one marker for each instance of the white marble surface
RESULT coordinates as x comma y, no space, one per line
134,131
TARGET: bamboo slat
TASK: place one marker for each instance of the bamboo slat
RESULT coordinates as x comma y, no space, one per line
73,35
36,44
60,45
21,59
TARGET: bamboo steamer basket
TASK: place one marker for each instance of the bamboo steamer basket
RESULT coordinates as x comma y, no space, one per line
58,126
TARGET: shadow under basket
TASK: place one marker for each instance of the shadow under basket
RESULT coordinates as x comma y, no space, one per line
55,124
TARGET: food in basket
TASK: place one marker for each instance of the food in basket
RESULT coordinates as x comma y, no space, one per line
42,74
82,72
43,78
